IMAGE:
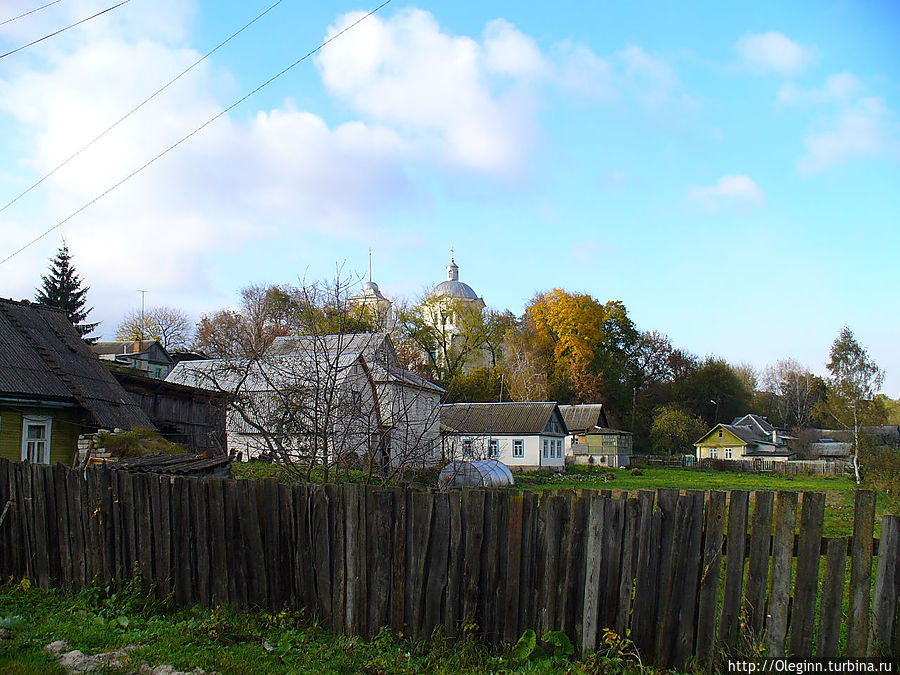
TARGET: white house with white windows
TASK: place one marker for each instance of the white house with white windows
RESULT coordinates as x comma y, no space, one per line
526,436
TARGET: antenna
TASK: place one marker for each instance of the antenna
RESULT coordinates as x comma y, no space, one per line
370,265
451,254
143,293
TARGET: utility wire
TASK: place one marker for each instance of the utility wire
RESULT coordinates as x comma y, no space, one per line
62,30
195,131
141,104
36,9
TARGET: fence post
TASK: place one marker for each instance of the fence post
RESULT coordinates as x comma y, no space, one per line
807,582
832,594
861,573
757,573
709,576
735,550
887,588
782,562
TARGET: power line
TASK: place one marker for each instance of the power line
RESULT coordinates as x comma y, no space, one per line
62,30
141,104
36,9
195,131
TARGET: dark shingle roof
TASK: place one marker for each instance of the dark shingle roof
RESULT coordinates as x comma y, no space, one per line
498,418
582,418
42,356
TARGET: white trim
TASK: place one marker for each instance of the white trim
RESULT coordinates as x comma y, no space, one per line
37,420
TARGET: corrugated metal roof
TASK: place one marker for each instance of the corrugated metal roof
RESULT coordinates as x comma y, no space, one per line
581,418
42,356
500,419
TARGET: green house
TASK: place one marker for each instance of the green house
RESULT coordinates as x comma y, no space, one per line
53,388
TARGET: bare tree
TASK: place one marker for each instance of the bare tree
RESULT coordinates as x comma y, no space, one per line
169,325
325,398
795,392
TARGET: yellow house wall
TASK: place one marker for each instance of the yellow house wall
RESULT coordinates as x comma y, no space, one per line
728,440
64,431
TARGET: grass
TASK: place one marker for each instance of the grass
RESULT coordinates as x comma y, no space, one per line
137,443
839,491
102,619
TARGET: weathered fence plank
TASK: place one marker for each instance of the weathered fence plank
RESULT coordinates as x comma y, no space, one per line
808,552
729,624
709,576
860,573
832,595
379,526
782,558
887,590
758,569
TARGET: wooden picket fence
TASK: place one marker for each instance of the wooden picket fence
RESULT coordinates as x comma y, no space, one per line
685,575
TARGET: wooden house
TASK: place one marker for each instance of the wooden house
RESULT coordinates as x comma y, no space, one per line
53,388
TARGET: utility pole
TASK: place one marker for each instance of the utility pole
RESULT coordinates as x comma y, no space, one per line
143,293
633,399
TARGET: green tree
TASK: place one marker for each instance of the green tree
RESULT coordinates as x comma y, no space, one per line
62,288
854,381
675,429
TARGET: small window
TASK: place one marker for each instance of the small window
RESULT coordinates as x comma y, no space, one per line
727,453
493,448
36,439
546,447
518,448
720,433
574,440
467,448
713,453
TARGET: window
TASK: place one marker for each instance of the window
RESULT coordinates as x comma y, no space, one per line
518,448
720,433
574,440
493,448
467,448
36,439
727,453
713,453
546,448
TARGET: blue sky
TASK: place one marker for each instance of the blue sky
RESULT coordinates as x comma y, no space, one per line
730,172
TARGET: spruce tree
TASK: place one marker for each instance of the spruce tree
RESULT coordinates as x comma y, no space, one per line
61,288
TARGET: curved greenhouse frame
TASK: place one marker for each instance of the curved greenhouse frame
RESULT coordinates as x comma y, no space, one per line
476,473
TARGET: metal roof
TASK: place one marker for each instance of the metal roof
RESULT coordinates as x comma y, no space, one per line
501,419
42,356
583,418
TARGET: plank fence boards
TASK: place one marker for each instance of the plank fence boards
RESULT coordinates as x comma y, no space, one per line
812,516
780,589
758,569
491,562
832,592
709,576
887,590
860,572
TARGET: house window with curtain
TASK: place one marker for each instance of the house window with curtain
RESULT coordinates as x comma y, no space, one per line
36,439
546,447
467,448
493,448
518,448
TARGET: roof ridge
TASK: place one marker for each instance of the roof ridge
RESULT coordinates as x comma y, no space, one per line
29,303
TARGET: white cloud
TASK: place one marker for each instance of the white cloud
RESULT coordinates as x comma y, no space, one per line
866,128
838,88
653,80
774,52
730,190
441,89
510,52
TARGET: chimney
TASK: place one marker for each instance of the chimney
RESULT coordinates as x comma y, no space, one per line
136,347
775,436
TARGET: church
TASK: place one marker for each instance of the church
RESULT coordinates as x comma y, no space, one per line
444,310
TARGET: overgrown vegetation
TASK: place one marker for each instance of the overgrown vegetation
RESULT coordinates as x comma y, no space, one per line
102,619
137,443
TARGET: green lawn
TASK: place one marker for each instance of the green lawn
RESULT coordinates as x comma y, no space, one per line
840,490
99,620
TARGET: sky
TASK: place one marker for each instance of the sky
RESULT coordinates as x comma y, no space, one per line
730,171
